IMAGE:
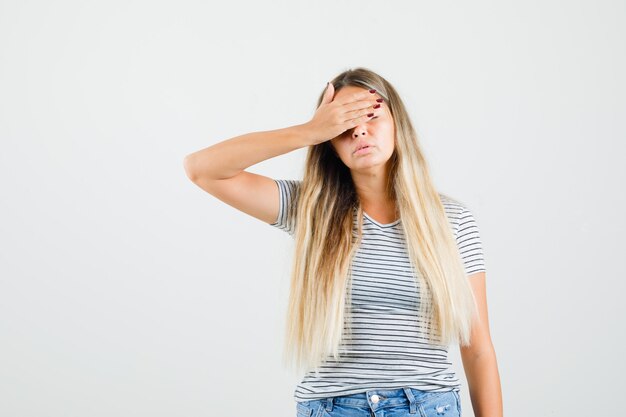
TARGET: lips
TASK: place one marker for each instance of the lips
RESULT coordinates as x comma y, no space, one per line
362,145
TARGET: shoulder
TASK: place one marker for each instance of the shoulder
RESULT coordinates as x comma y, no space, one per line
466,233
289,184
459,213
453,207
450,202
288,190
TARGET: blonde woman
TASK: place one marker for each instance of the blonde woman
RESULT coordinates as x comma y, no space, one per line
387,271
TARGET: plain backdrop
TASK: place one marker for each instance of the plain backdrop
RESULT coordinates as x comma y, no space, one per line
126,290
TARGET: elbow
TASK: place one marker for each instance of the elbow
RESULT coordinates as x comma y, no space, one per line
199,167
188,166
476,351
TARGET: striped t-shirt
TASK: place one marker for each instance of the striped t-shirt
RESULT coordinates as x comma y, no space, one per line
385,350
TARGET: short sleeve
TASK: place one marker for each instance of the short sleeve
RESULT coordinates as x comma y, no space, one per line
288,191
469,243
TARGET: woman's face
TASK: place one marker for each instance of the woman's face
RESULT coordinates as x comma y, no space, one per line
378,133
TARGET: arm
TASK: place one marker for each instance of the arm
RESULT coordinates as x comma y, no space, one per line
479,359
220,169
228,158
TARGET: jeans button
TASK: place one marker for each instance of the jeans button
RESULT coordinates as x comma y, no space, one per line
375,398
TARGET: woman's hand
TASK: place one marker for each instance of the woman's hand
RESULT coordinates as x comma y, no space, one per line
332,118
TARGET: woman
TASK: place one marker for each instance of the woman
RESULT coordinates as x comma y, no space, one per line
387,271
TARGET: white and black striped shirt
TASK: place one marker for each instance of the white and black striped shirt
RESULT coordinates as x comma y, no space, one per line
385,350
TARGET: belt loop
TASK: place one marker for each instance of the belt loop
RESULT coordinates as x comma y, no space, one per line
329,404
412,402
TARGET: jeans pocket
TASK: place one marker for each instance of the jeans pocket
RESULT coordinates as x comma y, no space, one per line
308,408
443,404
303,410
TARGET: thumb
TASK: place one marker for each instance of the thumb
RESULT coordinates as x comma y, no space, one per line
328,93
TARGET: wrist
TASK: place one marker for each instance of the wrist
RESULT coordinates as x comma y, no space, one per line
305,134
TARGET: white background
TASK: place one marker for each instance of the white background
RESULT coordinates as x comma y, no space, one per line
126,290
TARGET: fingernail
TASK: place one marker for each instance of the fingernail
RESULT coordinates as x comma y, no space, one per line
372,91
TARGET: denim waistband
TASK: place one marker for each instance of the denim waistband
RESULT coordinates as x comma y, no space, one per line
378,398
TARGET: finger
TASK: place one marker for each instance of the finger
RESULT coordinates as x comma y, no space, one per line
355,97
360,108
328,93
366,103
362,117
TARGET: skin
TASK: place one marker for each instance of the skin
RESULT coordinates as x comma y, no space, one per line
369,172
479,358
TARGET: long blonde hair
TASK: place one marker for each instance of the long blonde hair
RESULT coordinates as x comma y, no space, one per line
326,241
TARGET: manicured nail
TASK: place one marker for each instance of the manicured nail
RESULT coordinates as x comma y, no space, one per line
377,106
380,100
370,115
372,91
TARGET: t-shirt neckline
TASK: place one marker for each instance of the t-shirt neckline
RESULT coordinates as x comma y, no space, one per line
380,224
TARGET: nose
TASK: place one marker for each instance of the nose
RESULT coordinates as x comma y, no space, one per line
359,131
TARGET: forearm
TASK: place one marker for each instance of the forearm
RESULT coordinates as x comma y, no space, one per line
483,380
228,158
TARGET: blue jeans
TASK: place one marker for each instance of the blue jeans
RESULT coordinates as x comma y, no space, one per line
401,402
